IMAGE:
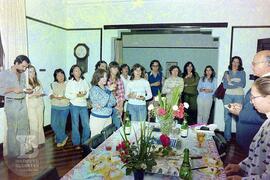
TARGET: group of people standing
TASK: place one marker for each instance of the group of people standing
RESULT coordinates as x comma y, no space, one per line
195,90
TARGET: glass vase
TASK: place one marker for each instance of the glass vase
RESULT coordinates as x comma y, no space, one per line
166,126
138,174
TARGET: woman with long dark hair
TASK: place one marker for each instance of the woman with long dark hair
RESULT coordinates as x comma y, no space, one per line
119,92
190,93
234,81
206,89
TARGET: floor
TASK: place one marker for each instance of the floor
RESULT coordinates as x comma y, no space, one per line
66,158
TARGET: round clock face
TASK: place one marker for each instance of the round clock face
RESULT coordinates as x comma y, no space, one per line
81,51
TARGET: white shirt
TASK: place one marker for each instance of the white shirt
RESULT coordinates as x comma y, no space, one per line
140,87
73,88
125,81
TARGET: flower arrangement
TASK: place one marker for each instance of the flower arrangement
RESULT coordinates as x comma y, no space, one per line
166,110
139,155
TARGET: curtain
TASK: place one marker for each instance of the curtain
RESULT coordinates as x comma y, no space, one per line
14,42
118,50
1,55
13,30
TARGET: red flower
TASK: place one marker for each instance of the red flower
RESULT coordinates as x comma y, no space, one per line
161,112
122,146
181,111
165,140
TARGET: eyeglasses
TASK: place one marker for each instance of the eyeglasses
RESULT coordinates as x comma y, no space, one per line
258,62
155,65
254,97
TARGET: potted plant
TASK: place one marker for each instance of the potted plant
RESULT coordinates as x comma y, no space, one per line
138,156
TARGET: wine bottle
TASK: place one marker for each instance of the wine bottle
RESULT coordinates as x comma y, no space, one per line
184,129
127,124
185,170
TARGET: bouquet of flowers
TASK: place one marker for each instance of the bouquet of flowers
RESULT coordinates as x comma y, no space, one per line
166,111
139,155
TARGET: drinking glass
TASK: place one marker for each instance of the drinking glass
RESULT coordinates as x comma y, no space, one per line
200,138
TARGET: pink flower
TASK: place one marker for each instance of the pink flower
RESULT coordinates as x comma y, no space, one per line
161,112
165,140
181,111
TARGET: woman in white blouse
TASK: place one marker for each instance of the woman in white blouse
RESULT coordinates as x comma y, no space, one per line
173,81
137,92
77,90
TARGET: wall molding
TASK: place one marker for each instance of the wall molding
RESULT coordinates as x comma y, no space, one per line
170,47
167,25
69,29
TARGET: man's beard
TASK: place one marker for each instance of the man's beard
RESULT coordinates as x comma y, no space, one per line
19,71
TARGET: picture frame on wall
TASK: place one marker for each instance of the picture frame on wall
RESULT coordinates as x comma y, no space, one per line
168,65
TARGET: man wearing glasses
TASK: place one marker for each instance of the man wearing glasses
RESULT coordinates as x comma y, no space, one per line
13,87
250,120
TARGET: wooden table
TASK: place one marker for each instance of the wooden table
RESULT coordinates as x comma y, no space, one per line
208,149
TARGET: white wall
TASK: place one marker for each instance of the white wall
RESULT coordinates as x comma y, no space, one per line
47,50
52,11
85,13
92,39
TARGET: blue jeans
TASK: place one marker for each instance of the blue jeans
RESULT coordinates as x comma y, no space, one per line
82,112
116,118
58,122
137,112
227,115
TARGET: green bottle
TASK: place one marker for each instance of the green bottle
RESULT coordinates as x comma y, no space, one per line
127,124
184,129
185,170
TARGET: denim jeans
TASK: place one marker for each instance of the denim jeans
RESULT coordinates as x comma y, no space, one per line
137,112
116,118
58,122
82,112
227,115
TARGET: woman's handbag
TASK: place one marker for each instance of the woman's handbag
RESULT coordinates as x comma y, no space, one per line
220,92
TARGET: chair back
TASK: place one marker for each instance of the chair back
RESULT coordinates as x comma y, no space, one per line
108,130
96,140
49,173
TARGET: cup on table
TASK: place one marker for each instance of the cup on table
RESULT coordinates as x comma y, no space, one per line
108,148
200,138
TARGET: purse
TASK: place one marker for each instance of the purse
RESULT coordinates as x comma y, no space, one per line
220,92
